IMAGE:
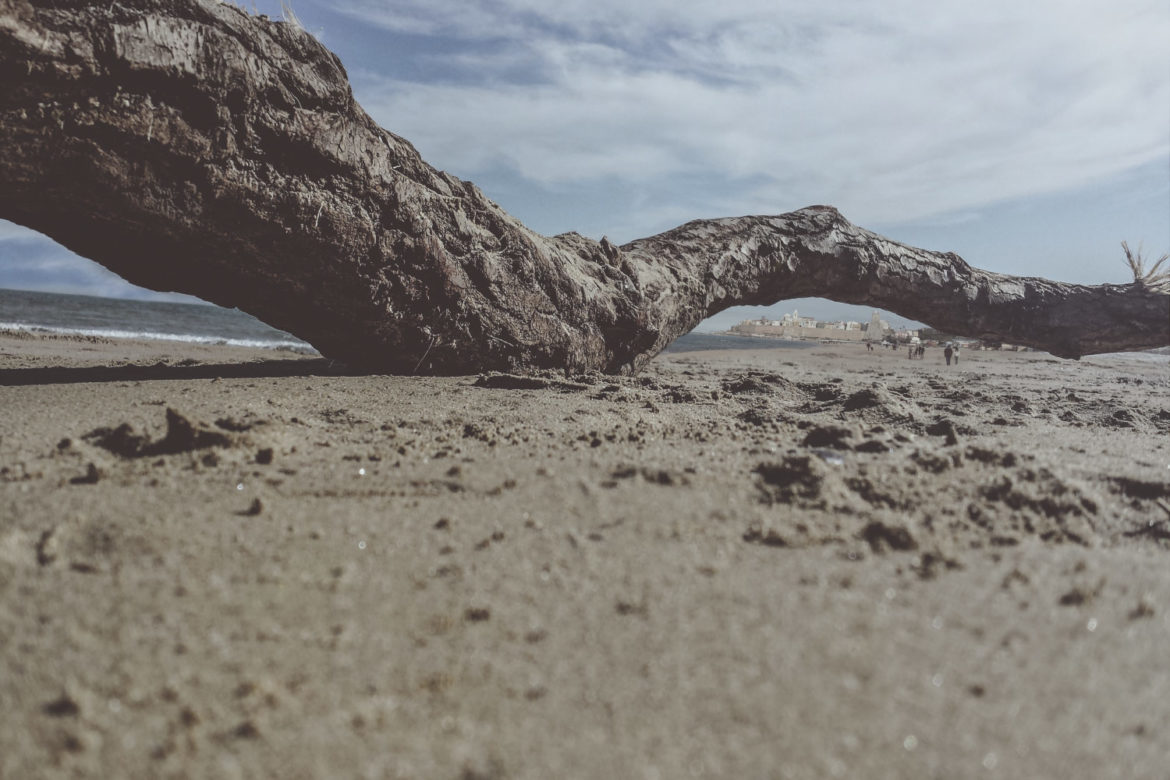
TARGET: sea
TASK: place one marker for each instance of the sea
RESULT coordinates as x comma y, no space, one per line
116,318
202,323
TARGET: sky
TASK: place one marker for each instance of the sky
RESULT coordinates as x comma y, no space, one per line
1029,137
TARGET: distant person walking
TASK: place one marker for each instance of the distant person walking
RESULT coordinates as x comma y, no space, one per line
956,354
948,353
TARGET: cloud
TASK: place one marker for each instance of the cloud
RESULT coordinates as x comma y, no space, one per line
891,111
31,261
12,232
931,120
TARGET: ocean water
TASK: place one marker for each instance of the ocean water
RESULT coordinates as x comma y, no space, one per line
85,315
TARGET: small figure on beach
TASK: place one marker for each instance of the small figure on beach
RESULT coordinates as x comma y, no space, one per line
948,353
956,353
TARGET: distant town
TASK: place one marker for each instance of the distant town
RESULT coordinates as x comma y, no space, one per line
877,330
794,326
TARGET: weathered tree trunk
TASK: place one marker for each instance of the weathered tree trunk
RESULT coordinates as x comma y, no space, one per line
189,146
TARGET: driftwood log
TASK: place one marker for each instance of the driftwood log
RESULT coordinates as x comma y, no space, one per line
189,146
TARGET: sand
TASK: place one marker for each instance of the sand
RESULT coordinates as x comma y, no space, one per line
762,564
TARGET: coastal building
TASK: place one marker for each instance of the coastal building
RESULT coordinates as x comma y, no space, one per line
794,326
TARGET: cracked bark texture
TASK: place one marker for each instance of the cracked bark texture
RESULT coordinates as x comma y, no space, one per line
189,146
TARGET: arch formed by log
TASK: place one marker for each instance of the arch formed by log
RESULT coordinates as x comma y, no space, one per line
189,146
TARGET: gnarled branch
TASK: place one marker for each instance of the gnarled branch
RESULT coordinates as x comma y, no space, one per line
189,146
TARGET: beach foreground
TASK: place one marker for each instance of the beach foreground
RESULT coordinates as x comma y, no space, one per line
799,563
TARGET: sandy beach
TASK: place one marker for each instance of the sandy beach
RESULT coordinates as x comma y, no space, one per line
787,563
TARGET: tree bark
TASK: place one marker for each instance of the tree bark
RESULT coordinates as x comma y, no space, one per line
189,146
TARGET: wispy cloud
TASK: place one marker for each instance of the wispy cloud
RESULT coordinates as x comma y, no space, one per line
891,111
935,119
